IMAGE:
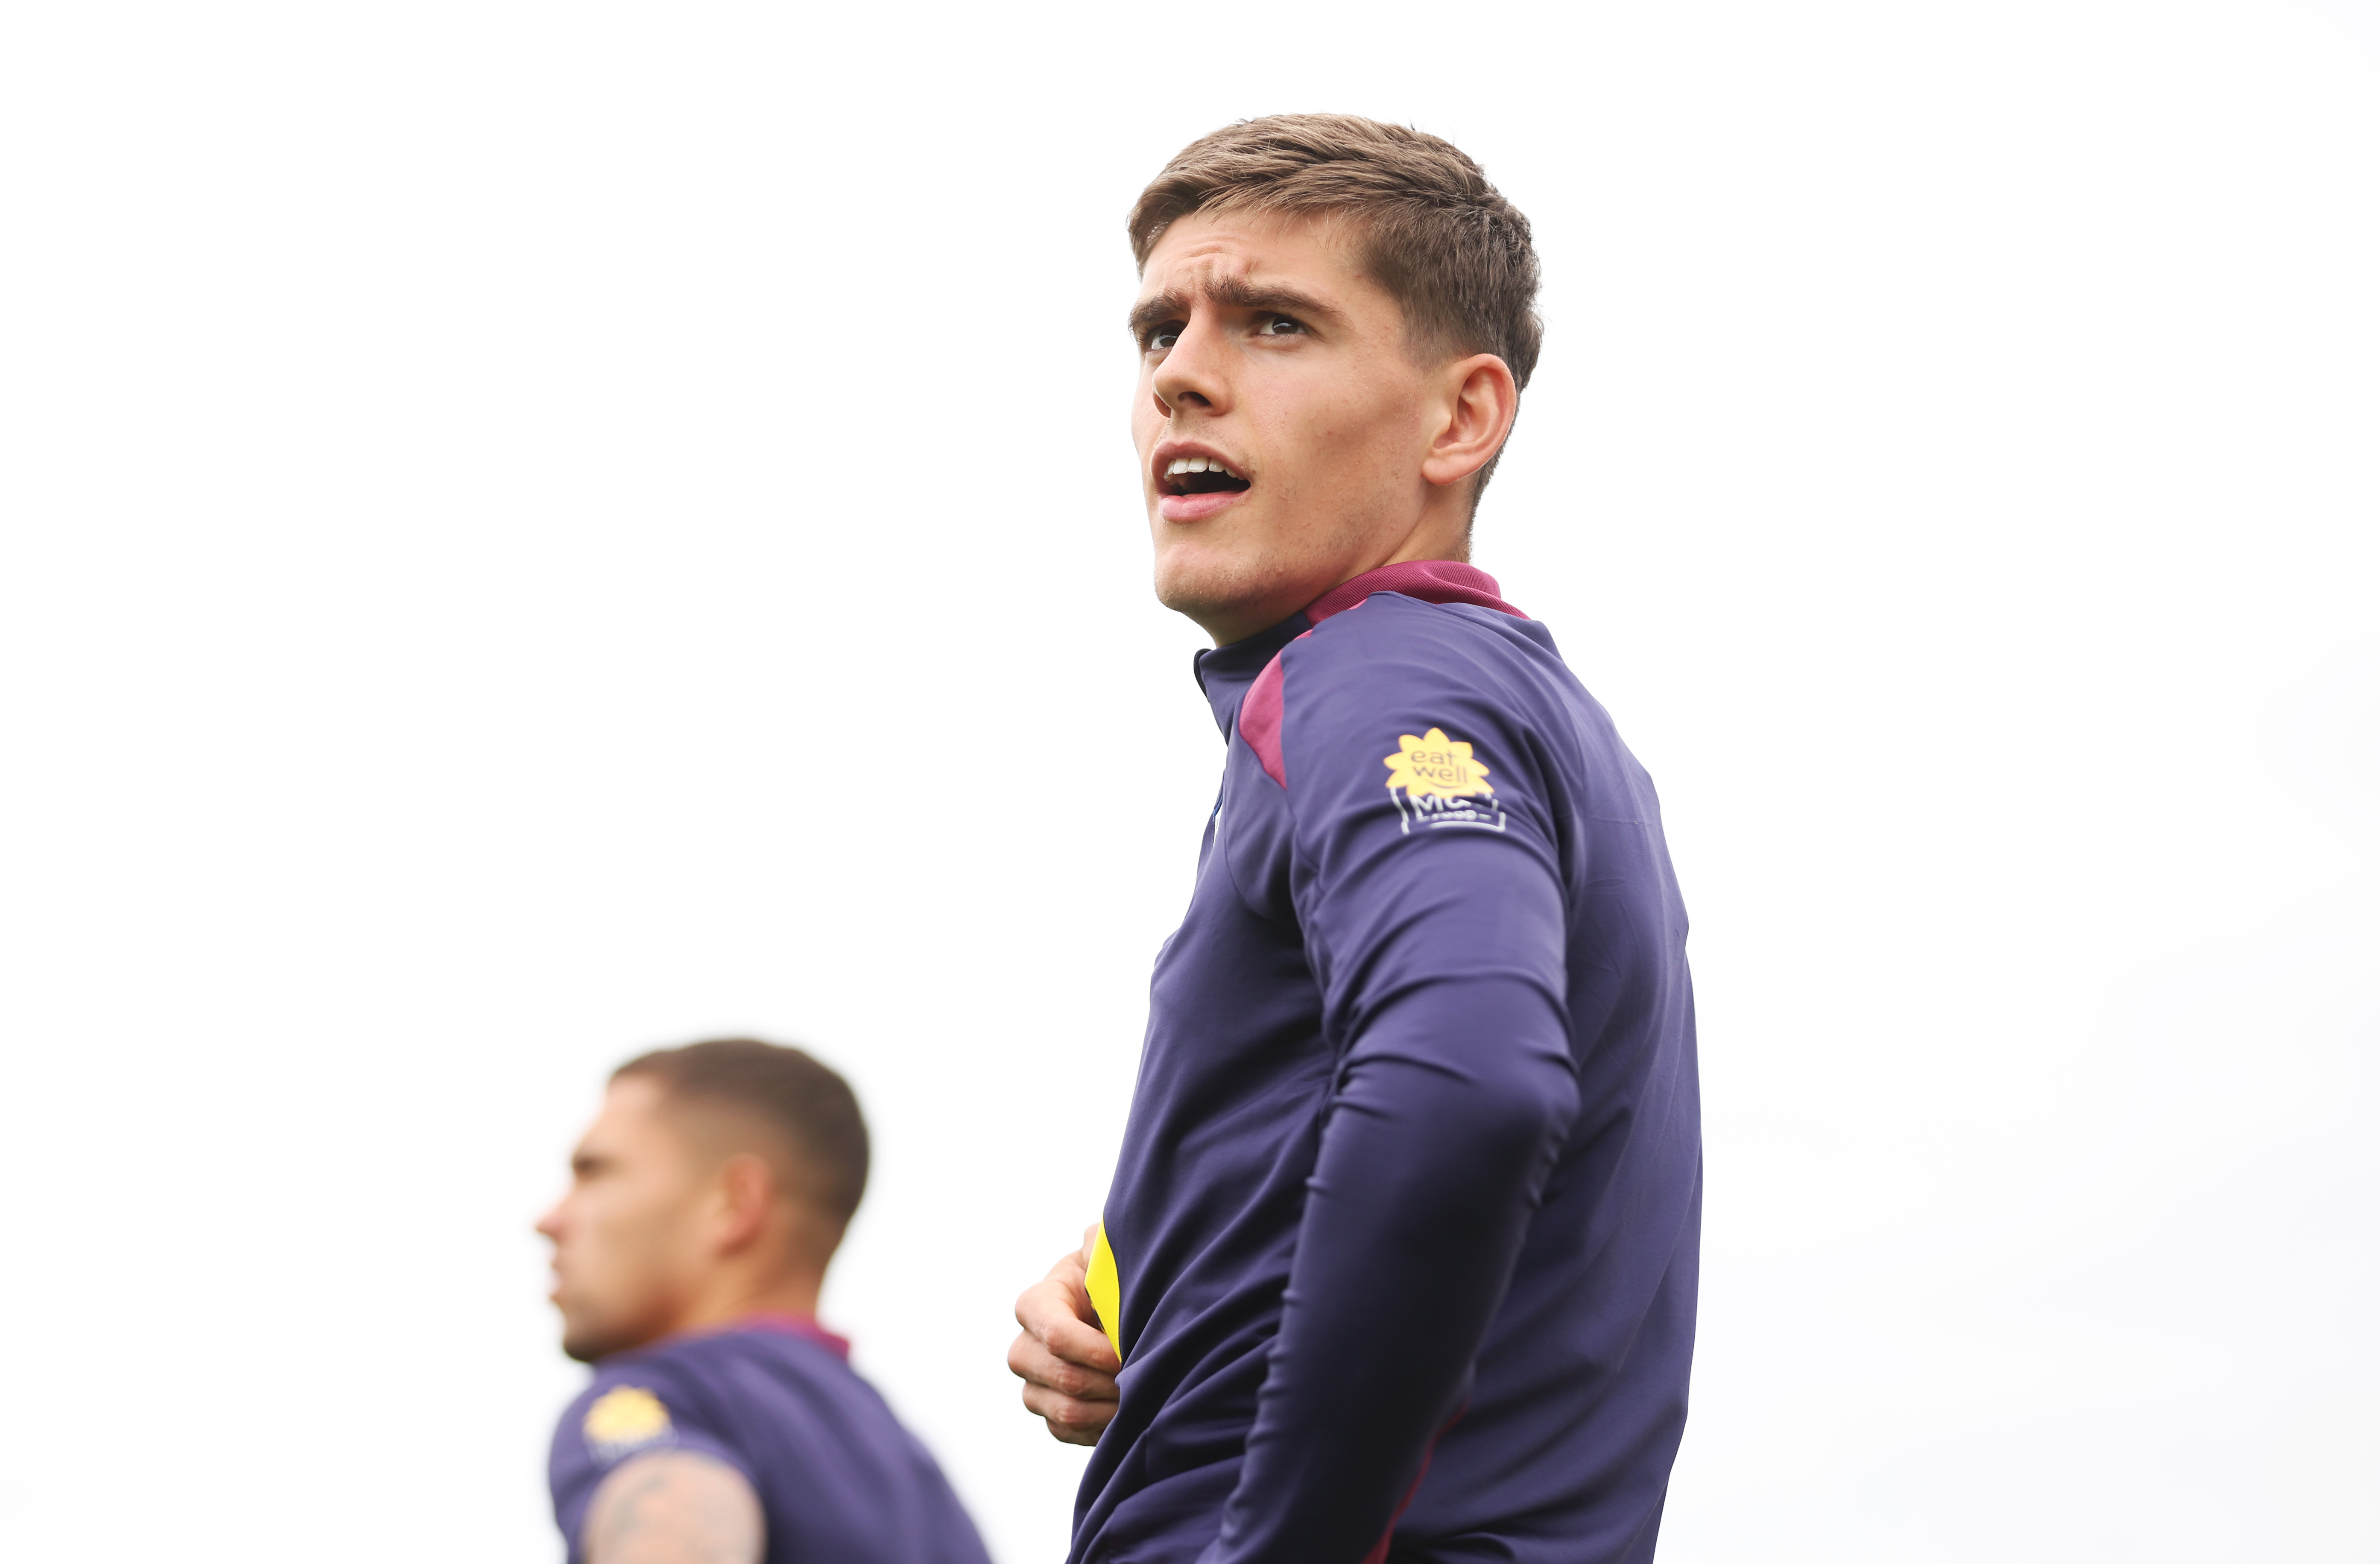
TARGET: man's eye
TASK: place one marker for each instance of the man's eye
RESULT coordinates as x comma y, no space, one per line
1161,339
1280,325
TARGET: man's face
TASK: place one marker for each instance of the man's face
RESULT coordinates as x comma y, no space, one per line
625,1237
1265,351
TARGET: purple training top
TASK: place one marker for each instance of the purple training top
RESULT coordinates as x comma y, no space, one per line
1405,1225
775,1398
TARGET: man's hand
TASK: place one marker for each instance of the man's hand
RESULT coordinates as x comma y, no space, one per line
1063,1357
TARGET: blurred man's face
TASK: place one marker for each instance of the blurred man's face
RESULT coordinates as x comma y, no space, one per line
626,1238
1269,358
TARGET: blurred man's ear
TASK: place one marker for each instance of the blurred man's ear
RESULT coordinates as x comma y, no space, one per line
748,1193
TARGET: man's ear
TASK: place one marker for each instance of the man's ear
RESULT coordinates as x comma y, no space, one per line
748,1190
1481,403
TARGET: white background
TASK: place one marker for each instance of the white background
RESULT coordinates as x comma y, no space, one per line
534,531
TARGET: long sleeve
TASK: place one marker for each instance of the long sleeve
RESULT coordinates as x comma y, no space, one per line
1428,886
1404,1219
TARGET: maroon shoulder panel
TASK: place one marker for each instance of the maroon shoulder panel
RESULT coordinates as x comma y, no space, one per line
1430,580
1260,716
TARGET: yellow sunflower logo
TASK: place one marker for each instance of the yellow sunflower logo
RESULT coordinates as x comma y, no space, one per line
625,1417
1435,765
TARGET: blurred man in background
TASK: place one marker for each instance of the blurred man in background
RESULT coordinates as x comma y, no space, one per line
723,1426
1400,1257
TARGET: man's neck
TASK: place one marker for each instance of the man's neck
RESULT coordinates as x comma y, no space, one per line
1439,536
733,1297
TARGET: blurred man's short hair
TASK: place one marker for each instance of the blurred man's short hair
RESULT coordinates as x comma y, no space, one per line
806,1113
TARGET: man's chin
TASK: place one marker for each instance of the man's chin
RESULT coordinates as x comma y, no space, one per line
593,1342
580,1348
1225,597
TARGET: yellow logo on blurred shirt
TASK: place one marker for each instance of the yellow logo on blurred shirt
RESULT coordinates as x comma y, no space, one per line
624,1418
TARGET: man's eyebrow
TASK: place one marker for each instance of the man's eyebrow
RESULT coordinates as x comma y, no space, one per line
1235,293
1155,311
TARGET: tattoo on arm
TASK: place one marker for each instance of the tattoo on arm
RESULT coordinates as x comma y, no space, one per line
674,1507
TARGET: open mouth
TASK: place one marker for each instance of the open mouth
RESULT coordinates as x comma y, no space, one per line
1200,475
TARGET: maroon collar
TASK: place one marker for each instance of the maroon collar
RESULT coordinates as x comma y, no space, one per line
796,1325
1431,580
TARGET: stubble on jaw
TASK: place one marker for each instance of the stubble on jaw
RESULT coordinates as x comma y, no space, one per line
1220,595
1207,580
1207,577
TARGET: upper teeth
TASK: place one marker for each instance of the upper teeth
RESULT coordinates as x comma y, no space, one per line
1198,464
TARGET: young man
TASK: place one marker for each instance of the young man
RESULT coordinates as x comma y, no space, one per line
1398,1260
723,1426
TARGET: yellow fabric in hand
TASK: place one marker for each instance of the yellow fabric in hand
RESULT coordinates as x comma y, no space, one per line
1106,1288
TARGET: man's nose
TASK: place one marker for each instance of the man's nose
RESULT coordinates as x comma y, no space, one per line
1196,373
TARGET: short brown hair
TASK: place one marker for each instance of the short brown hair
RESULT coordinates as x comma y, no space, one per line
1438,236
789,1094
